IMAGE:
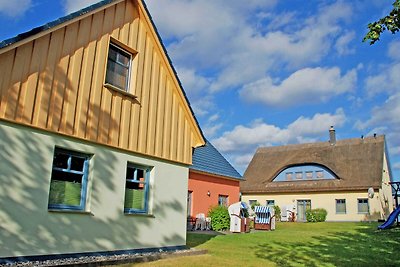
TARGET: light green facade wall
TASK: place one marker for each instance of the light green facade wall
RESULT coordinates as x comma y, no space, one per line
28,228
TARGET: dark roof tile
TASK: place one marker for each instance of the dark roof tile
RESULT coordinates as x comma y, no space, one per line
208,159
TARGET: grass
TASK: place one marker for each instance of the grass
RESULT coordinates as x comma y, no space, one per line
296,244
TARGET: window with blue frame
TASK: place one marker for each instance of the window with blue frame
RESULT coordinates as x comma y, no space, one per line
69,176
136,189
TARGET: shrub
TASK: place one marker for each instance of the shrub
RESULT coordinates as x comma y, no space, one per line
277,213
220,219
316,215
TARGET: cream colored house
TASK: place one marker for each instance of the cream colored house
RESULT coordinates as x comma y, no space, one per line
96,137
334,175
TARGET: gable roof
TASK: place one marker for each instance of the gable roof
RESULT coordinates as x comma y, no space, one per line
357,163
29,37
54,23
101,4
208,159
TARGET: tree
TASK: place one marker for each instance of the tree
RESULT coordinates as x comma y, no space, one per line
391,23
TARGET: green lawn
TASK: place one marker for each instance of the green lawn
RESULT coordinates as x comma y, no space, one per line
297,244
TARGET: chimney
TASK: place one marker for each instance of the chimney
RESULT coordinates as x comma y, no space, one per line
332,136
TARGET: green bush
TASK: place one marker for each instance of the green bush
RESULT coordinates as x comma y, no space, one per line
316,215
277,213
220,219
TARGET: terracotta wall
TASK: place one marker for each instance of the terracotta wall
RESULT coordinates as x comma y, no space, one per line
200,184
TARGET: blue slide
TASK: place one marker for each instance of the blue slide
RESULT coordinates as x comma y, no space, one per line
391,219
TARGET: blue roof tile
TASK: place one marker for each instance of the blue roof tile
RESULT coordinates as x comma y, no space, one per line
208,159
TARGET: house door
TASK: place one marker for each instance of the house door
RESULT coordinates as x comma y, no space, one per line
302,206
189,204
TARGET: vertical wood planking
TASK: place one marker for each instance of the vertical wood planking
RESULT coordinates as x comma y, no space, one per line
28,86
113,133
144,101
127,19
35,79
118,19
140,58
125,123
133,26
174,124
180,128
186,144
154,91
61,78
22,58
96,88
160,114
74,76
167,121
105,103
23,83
56,82
6,68
85,79
46,79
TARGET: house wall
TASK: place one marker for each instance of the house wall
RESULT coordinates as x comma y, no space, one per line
200,184
327,201
56,81
28,228
385,192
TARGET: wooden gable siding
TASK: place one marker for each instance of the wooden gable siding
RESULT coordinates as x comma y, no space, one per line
56,82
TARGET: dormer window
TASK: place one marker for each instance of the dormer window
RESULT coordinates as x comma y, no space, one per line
305,172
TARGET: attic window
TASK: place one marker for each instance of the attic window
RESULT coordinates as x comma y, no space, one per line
118,67
306,172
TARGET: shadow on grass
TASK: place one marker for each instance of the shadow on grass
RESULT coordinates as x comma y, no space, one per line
196,239
366,246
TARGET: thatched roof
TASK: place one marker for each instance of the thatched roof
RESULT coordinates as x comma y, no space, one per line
357,163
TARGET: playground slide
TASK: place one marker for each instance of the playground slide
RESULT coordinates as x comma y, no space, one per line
391,219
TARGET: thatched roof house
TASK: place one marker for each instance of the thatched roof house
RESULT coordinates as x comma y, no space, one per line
357,164
334,175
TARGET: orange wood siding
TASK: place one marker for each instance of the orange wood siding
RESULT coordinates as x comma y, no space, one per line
56,82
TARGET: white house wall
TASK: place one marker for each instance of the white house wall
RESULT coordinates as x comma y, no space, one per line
328,202
28,228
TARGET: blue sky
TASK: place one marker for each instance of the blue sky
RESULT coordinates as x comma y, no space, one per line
266,73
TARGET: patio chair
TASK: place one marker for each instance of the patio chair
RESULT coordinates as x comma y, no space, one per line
200,221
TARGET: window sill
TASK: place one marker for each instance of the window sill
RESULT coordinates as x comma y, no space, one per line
70,211
116,89
140,214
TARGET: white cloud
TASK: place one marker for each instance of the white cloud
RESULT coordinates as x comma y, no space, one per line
387,80
14,8
305,86
258,133
230,40
75,5
385,119
241,143
393,51
396,166
342,44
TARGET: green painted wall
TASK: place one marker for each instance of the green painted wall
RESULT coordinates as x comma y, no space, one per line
28,228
